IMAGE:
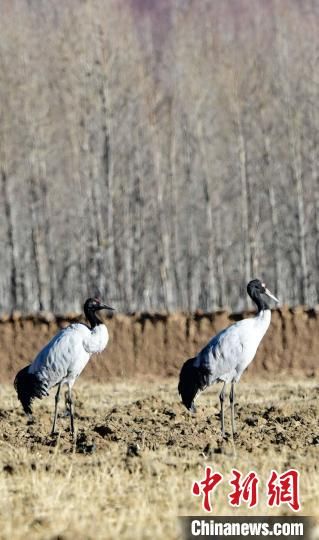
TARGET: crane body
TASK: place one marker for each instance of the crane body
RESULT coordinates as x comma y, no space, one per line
62,360
227,355
238,342
66,355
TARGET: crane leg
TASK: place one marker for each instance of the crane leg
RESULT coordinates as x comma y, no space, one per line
232,406
70,406
57,395
222,399
66,406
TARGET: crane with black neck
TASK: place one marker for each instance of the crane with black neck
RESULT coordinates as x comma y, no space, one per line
62,360
227,354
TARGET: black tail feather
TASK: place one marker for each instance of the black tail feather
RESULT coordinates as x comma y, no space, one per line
29,386
192,379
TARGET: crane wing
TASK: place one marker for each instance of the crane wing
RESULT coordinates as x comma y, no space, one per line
58,357
224,352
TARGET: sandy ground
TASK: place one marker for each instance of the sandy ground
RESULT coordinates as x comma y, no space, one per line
138,451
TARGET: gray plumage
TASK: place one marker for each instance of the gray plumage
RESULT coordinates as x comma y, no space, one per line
227,354
62,360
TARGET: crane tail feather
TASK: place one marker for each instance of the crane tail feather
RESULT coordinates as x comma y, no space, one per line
192,380
28,387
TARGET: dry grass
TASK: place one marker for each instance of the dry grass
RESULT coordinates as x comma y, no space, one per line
57,491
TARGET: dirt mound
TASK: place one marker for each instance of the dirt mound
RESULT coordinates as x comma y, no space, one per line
149,422
152,423
156,345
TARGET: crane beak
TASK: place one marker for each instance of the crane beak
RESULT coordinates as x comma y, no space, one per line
104,306
268,293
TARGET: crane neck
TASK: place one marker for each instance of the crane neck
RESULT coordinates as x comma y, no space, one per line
259,301
92,317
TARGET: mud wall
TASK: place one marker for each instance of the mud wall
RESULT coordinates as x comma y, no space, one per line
155,345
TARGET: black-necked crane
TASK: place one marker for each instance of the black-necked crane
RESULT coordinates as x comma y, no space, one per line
62,360
227,355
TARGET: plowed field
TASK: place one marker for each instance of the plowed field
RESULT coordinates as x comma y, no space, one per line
129,473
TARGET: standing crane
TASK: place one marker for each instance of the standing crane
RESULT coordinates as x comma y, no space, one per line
62,360
227,355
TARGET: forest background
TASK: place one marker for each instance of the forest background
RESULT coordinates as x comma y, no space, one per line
159,154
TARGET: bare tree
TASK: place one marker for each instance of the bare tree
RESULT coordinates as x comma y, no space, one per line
159,156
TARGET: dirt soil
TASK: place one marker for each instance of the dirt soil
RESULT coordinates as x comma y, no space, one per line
153,422
135,438
156,344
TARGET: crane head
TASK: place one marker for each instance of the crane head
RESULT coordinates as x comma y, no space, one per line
95,304
259,287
